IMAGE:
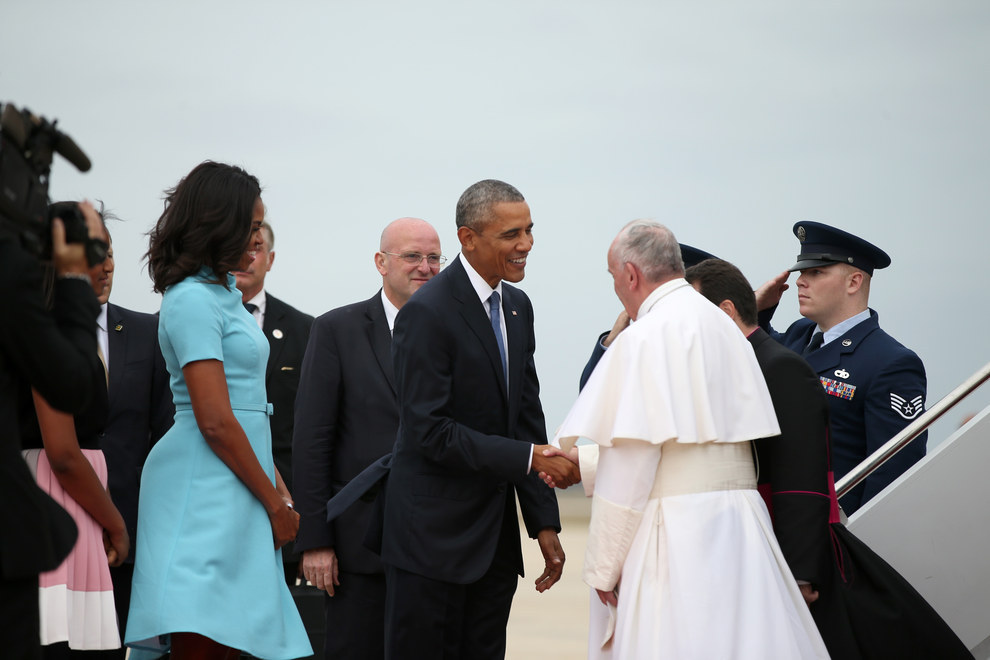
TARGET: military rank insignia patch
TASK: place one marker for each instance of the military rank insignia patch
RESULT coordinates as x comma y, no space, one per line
907,409
837,388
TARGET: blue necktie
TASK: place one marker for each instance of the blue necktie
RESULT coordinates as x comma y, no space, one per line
493,301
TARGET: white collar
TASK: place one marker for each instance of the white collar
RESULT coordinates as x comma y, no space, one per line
481,287
259,301
101,319
659,293
840,329
391,311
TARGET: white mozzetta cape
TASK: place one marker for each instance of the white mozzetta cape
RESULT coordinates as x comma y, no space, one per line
682,371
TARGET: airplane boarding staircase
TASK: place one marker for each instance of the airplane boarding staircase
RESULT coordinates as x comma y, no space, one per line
933,523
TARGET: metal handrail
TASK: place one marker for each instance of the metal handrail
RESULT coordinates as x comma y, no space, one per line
910,432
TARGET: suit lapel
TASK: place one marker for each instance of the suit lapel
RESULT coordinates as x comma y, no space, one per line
514,331
274,311
379,337
473,312
117,345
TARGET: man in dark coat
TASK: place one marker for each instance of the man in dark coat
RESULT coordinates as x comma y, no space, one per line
140,411
53,351
862,607
346,418
287,331
875,385
471,436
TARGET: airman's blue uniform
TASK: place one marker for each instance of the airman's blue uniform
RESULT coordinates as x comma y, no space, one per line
876,386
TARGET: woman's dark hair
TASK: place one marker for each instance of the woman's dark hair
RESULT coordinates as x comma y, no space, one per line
206,222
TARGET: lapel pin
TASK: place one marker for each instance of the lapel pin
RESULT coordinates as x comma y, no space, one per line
847,342
514,313
276,333
118,327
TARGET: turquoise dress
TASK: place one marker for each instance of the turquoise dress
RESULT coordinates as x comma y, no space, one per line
206,561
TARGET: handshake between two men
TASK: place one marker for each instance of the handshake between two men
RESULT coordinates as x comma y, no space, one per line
557,469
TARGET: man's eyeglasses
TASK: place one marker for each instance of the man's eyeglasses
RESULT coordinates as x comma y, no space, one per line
415,258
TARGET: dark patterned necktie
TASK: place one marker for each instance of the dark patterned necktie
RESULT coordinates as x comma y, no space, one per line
815,343
250,307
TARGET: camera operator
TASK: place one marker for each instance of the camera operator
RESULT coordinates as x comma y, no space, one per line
55,352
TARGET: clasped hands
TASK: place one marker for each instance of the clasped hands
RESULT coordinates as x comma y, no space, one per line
557,468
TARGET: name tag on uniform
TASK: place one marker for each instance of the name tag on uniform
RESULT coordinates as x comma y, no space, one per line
838,388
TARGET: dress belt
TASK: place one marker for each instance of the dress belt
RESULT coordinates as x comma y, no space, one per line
266,408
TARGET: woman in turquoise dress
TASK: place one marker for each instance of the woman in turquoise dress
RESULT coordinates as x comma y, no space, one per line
213,512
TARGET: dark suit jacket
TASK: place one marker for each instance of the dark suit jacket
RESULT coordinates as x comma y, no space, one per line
464,442
55,352
346,418
140,406
596,356
793,467
287,331
876,387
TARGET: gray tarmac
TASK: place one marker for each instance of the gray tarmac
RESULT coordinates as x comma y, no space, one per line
554,625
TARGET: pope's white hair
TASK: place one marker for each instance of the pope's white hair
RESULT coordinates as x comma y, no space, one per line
652,248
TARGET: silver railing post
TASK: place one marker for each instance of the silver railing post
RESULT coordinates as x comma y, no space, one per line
910,432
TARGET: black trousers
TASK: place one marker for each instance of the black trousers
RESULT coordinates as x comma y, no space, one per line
356,618
428,619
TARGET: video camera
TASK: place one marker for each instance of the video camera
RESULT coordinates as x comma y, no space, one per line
27,145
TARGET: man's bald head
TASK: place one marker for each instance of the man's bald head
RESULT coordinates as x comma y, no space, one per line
398,230
401,239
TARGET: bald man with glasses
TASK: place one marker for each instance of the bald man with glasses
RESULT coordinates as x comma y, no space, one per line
346,418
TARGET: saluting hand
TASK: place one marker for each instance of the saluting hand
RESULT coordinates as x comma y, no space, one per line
769,294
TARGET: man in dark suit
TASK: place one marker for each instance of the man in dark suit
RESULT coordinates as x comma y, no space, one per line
346,418
287,331
53,351
139,414
876,386
471,435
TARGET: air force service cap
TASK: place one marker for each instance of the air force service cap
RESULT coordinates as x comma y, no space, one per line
822,245
692,256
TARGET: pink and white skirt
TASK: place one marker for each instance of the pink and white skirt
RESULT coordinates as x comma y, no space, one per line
76,599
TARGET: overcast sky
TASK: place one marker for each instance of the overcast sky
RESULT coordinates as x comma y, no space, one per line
726,121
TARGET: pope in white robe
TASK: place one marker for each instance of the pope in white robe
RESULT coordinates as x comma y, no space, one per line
678,529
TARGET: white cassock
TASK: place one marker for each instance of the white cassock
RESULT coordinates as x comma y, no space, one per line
677,525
